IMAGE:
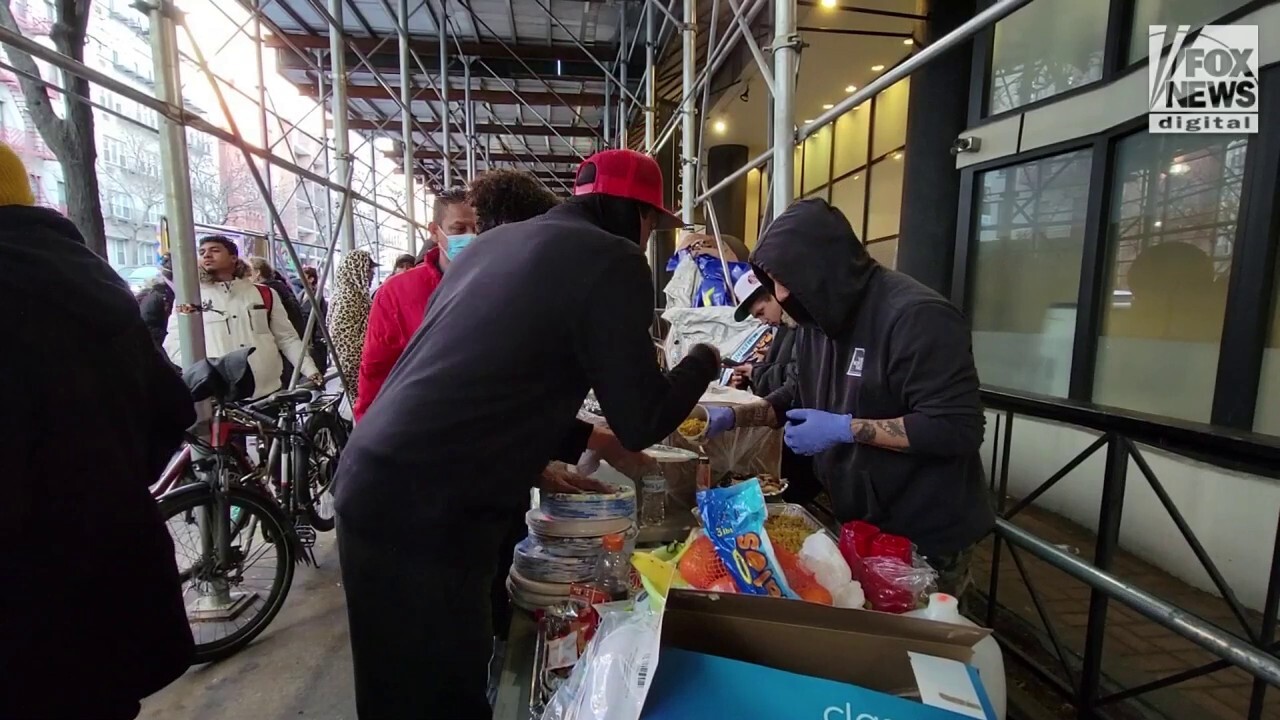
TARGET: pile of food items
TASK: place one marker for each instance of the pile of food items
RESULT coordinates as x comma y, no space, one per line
746,546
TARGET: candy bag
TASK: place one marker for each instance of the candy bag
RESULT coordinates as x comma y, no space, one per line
733,518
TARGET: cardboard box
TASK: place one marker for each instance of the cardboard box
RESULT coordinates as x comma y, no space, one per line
821,661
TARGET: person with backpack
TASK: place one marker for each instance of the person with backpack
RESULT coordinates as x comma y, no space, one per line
155,303
239,314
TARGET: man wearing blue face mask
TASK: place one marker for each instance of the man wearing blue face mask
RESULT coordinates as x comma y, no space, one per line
401,302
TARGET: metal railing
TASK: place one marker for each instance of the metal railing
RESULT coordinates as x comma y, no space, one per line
1081,679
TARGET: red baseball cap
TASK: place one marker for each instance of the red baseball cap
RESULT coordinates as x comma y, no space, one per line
627,174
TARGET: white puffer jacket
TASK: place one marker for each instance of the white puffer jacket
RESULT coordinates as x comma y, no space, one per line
235,317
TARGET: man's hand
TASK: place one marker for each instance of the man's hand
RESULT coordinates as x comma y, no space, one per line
712,348
809,432
317,380
606,445
720,420
741,377
557,479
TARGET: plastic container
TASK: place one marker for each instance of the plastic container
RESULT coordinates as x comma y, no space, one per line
613,568
821,556
987,657
653,500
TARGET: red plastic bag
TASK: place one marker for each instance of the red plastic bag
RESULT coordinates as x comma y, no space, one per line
893,577
855,544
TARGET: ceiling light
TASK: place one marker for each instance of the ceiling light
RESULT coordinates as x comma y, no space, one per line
850,88
827,106
719,127
807,122
1179,168
877,68
856,177
1157,223
909,41
897,156
829,3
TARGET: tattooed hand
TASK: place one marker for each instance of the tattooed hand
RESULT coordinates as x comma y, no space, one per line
889,434
757,414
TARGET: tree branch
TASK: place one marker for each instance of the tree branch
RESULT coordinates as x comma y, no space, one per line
52,128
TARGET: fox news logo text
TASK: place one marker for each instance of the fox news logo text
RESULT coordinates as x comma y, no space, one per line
1207,85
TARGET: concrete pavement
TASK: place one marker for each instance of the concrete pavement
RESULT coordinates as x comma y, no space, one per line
300,667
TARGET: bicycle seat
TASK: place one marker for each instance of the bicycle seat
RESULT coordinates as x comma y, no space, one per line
225,379
292,397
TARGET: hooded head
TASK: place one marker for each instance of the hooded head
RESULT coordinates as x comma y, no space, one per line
810,259
15,186
355,272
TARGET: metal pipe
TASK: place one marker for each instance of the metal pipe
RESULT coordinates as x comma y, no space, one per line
697,176
262,115
758,161
590,56
469,117
666,11
1213,639
445,131
785,53
765,71
533,110
622,75
607,140
406,120
939,47
689,125
329,219
338,108
177,188
650,78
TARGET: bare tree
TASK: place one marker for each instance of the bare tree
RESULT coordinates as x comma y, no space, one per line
131,168
70,137
219,195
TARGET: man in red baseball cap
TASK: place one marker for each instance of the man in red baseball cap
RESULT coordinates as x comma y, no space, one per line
532,316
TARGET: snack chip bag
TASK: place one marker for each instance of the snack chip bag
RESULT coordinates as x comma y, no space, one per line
733,518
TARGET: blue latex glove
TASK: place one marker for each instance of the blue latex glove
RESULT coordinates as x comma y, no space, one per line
720,420
809,432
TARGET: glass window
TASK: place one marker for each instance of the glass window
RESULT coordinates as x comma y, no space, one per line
891,119
850,195
1172,12
1169,242
817,160
851,140
1266,416
885,252
886,198
1047,47
1026,277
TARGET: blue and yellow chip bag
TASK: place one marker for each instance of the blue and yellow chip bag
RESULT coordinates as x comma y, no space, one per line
733,518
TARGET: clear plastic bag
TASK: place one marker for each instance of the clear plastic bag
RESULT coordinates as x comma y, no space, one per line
893,586
612,677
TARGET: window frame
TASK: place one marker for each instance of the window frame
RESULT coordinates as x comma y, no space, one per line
1115,56
1250,287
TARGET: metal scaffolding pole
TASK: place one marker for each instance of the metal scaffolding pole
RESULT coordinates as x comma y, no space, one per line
176,170
689,128
785,51
446,162
650,79
338,108
406,122
262,118
607,140
469,120
622,74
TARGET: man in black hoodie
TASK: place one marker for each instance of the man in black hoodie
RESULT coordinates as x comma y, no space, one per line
885,394
525,321
91,614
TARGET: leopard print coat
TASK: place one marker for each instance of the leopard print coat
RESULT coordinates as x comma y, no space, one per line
349,314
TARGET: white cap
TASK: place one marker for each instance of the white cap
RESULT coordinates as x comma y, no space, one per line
747,289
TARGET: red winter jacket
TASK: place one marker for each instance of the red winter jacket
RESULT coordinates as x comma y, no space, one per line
398,309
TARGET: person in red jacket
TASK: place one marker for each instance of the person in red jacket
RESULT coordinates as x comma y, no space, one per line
401,301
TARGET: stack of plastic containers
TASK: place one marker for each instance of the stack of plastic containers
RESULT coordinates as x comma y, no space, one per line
566,538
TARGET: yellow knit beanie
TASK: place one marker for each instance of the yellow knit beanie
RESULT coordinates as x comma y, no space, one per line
15,187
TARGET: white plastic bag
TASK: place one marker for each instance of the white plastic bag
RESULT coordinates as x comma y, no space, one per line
612,676
710,325
683,284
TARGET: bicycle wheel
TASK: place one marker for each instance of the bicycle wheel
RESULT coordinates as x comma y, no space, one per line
328,435
229,604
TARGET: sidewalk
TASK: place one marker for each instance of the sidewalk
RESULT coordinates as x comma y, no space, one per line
1137,650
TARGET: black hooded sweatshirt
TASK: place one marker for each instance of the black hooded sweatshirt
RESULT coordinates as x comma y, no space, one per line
529,318
92,413
877,345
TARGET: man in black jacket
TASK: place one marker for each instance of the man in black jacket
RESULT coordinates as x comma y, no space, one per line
885,394
91,614
525,321
156,302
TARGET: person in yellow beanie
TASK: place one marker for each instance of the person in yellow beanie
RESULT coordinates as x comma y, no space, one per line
15,185
93,411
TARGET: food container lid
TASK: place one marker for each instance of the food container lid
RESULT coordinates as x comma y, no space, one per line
669,454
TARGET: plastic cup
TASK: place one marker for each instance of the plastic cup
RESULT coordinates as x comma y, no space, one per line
894,546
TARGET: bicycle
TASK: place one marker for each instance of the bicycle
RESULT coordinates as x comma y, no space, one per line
238,530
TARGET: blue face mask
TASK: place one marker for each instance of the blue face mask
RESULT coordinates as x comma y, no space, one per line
455,244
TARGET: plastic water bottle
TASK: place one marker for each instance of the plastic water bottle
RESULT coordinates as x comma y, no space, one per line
613,568
987,657
653,500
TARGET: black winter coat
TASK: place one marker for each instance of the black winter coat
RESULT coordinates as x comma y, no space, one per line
155,304
91,613
877,345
